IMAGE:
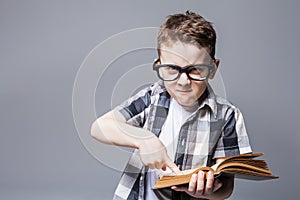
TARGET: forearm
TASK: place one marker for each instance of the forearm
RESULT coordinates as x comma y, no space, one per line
113,129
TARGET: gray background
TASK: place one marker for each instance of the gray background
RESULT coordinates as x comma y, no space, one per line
43,43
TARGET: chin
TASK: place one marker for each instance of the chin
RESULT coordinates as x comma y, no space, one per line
186,103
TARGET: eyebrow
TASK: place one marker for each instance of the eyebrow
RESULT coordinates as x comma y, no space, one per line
212,60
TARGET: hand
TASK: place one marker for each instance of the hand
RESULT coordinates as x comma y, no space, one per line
201,185
154,154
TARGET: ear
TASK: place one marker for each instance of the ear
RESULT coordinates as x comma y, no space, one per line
156,61
214,70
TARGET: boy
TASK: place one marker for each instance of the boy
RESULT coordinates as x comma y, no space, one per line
177,123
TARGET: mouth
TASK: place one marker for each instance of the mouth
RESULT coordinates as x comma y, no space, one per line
184,91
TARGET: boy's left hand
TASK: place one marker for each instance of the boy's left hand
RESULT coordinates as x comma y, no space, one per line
201,185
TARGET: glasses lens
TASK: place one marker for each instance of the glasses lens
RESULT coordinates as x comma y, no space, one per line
168,73
198,72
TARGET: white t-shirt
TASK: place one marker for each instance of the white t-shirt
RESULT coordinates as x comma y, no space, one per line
177,115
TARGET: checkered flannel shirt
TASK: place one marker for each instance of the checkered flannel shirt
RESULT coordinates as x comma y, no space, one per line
215,130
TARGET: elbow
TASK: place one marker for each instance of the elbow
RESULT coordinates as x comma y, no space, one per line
95,129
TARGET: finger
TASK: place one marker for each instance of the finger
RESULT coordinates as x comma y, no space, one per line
179,188
209,183
173,167
200,182
158,165
151,166
192,184
217,185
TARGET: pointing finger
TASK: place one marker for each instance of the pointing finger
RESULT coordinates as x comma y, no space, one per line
173,167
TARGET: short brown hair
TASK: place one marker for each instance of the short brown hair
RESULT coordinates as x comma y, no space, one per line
189,28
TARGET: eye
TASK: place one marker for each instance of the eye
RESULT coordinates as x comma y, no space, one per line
170,69
196,70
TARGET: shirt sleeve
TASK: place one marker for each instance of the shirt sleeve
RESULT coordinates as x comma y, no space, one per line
234,138
134,109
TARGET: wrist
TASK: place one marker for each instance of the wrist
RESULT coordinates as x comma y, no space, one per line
144,139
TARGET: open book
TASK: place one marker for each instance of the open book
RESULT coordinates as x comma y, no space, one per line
242,166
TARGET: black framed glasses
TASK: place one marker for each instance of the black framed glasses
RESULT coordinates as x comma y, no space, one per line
170,72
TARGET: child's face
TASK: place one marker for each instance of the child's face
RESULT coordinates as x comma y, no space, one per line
185,91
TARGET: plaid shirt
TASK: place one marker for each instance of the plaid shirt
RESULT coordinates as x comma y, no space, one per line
215,130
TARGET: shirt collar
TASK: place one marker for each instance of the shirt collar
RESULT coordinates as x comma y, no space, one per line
210,100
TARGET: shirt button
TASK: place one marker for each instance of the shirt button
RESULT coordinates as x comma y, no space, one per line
183,142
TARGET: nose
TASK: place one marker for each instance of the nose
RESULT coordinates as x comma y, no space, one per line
183,79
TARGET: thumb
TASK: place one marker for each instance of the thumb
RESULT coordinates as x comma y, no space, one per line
179,188
217,185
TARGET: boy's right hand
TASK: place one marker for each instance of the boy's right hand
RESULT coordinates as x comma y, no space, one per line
153,154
